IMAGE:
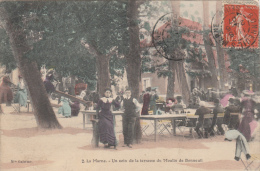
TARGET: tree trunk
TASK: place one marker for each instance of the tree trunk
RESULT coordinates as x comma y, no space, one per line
179,68
133,58
171,80
208,48
103,73
44,114
220,51
185,91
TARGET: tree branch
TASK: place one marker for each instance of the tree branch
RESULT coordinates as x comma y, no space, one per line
112,51
91,48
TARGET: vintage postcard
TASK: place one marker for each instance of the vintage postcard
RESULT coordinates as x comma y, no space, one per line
129,85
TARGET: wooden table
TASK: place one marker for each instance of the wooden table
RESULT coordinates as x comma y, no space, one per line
93,113
155,118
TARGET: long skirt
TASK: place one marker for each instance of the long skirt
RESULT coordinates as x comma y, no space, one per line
22,97
244,126
106,130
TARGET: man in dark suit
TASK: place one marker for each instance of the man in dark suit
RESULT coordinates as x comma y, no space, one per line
201,111
131,108
232,121
217,121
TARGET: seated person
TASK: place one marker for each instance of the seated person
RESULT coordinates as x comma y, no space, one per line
231,121
201,111
75,108
218,121
169,104
179,106
195,100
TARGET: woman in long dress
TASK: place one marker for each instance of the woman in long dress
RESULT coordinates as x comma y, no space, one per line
65,109
22,93
106,120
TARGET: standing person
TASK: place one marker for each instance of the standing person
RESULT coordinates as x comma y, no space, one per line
6,94
153,99
146,101
106,120
22,93
219,121
201,111
231,121
119,98
131,108
65,109
48,82
248,106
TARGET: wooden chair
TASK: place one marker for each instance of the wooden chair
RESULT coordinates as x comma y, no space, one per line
253,163
150,112
190,123
220,117
164,125
144,127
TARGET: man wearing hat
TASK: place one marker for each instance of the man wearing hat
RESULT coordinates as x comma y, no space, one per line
215,121
231,121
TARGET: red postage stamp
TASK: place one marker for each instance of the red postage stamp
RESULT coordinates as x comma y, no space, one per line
241,24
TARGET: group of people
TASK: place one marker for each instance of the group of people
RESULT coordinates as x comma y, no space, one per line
131,108
232,119
173,105
149,101
68,107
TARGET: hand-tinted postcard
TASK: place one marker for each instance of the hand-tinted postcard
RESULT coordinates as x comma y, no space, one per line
129,85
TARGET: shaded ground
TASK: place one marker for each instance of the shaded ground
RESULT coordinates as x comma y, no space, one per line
24,147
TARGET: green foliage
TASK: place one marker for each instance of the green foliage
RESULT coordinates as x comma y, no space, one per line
199,20
192,17
182,5
186,14
245,59
147,26
6,56
196,59
55,31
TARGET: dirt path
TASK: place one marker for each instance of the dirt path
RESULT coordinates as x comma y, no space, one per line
24,147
